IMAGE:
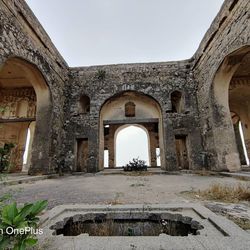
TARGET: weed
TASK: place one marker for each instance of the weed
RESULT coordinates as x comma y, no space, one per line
137,185
101,74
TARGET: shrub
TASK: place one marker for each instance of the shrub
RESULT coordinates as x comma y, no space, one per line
5,155
136,165
19,226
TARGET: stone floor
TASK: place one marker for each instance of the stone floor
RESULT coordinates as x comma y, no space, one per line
115,189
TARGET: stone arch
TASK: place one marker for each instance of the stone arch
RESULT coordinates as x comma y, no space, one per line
148,110
29,78
126,126
225,97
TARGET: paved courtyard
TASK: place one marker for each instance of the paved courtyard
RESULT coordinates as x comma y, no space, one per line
120,189
115,189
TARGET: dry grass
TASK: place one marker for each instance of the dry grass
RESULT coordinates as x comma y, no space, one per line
226,193
104,229
116,200
242,178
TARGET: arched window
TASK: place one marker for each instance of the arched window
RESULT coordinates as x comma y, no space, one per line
84,104
177,102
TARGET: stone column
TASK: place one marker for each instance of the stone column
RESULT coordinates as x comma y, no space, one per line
111,147
170,149
153,145
40,160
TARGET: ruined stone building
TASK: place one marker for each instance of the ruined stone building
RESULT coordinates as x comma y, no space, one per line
191,110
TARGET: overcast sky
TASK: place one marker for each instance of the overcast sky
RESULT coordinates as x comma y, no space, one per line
94,32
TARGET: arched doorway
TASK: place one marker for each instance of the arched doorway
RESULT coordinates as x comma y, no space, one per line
231,93
131,141
126,109
240,138
25,106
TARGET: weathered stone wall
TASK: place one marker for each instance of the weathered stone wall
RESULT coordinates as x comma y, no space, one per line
229,32
62,124
155,80
22,36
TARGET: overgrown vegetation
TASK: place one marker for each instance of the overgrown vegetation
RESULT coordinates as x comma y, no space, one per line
226,193
101,74
5,152
136,165
19,225
5,199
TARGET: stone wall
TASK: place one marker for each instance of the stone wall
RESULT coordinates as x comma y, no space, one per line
229,32
21,36
155,80
60,124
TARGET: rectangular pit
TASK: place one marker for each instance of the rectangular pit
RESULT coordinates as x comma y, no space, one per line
138,227
127,224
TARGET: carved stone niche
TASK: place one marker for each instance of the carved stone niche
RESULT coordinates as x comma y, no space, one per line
130,109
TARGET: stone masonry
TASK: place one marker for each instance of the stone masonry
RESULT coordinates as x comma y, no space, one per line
189,101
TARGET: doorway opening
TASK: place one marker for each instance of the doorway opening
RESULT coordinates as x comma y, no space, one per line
158,157
82,155
106,158
246,159
181,151
131,142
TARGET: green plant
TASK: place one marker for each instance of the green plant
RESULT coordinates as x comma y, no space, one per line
3,109
19,226
4,200
101,74
136,165
5,156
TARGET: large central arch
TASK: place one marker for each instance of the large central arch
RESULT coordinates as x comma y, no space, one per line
130,108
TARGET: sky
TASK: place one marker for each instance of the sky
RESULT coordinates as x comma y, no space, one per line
127,141
97,32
